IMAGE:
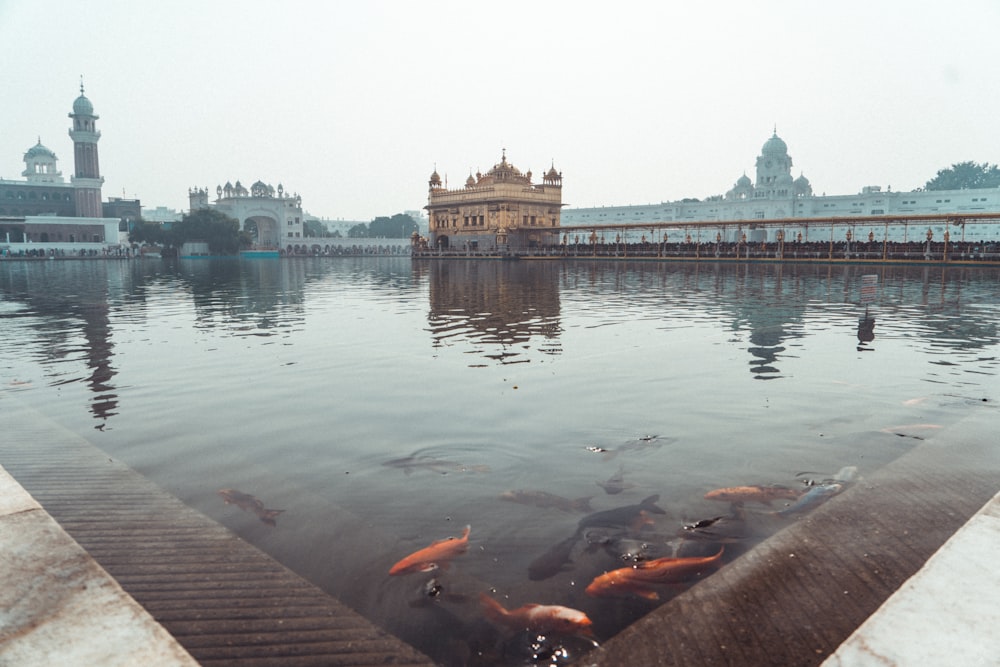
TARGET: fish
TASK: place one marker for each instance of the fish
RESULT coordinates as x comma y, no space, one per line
899,430
622,516
759,493
626,549
639,444
542,618
616,483
545,499
553,561
812,498
727,528
410,463
639,579
437,555
249,503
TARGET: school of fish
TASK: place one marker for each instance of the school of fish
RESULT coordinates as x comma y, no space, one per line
619,531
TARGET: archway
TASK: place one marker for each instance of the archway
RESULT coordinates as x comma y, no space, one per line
442,241
263,230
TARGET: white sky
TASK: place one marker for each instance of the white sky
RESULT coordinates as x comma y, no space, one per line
353,104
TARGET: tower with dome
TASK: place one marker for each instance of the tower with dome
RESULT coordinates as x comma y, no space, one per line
52,213
86,179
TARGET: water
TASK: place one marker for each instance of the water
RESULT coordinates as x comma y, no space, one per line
305,381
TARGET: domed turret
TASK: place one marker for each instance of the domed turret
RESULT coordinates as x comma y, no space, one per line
803,186
82,106
743,181
40,165
470,182
505,171
261,189
39,151
552,177
775,146
435,180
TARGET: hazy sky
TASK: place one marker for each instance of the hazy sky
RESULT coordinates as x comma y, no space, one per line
354,104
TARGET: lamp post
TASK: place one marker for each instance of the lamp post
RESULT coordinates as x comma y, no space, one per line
847,252
930,236
781,244
947,236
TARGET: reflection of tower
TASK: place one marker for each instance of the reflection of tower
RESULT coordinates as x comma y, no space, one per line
86,177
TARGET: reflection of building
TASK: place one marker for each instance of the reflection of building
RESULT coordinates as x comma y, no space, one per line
775,195
274,217
44,212
498,307
501,209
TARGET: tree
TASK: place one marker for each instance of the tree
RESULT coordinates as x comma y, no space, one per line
146,232
399,226
218,230
358,231
965,175
315,228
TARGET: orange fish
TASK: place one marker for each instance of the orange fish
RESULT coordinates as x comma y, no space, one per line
641,577
536,617
756,493
438,554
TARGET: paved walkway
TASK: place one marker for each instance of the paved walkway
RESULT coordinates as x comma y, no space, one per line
946,614
59,607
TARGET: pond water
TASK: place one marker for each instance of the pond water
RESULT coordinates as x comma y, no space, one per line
385,404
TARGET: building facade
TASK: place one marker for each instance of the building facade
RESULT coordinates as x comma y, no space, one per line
272,216
499,211
775,195
46,213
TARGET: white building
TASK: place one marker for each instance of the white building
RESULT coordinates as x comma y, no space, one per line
43,214
775,195
274,216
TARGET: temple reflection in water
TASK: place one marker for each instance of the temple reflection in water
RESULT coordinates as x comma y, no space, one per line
501,307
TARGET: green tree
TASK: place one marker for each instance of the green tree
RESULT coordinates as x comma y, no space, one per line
146,232
315,228
218,230
965,175
358,231
399,226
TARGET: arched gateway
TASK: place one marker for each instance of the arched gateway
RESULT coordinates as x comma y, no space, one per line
272,215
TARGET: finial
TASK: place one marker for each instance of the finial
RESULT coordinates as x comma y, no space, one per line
81,84
775,129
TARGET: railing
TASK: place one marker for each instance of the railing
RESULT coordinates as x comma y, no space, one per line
987,253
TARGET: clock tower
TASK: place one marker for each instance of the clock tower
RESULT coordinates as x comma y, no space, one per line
774,165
